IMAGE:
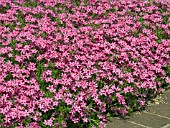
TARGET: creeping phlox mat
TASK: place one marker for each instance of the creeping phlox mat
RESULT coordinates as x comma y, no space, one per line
75,63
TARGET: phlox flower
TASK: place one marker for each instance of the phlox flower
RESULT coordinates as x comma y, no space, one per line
85,119
31,67
33,125
49,122
18,58
120,99
128,90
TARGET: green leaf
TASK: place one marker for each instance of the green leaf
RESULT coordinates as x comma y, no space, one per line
86,2
43,34
128,69
94,15
21,19
11,26
162,10
9,76
13,44
48,94
1,118
29,3
34,4
140,19
96,122
165,19
15,52
38,15
56,73
51,65
72,53
3,9
59,11
59,24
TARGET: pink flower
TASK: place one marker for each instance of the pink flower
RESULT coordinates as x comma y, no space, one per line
68,101
48,72
51,88
33,125
31,67
49,122
85,120
128,89
18,58
120,99
10,55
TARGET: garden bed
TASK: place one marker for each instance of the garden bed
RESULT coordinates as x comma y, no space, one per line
76,63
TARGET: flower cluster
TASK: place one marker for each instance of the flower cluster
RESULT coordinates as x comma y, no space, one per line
72,63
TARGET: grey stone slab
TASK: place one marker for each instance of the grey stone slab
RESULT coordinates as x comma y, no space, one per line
149,120
161,109
120,123
166,97
166,126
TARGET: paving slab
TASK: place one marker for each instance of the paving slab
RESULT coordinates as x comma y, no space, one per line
120,123
166,126
161,110
166,97
149,120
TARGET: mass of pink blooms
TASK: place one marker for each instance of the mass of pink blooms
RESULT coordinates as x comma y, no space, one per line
63,64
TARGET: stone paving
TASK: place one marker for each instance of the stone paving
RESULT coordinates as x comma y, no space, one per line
155,115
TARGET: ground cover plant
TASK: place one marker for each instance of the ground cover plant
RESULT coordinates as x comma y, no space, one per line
75,63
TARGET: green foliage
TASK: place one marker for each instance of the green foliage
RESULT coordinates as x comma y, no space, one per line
9,76
26,121
135,33
76,2
59,11
3,9
1,118
100,84
161,35
59,24
146,26
56,73
167,70
162,10
43,34
51,65
38,72
94,15
128,69
93,77
14,53
12,60
48,94
59,113
72,53
109,11
13,44
38,15
11,26
29,3
140,19
20,19
92,39
165,19
86,2
13,125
